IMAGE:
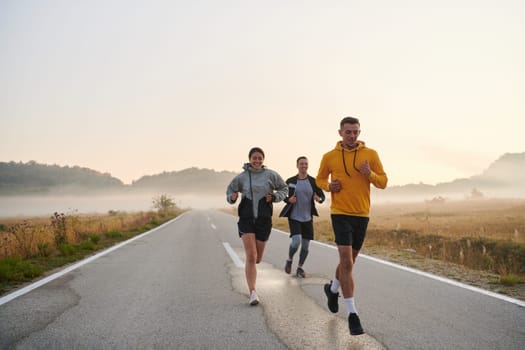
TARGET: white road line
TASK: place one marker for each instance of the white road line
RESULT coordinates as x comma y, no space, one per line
236,260
61,273
428,275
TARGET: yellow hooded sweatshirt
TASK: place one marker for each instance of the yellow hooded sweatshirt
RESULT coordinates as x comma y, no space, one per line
343,164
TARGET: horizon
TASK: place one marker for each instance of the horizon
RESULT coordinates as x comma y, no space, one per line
219,171
83,201
137,89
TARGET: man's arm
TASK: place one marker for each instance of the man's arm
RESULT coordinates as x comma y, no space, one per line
377,176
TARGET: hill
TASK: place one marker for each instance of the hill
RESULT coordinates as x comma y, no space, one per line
32,177
503,178
191,180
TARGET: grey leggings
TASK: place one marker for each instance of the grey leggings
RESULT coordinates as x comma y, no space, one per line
294,246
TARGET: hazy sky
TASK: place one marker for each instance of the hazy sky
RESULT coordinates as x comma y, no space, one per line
135,88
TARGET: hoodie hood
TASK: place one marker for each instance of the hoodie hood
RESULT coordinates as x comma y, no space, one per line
248,167
339,146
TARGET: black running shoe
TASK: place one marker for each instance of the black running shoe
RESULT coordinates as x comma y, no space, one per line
333,304
300,272
288,266
354,324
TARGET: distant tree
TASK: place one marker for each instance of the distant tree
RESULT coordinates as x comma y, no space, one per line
476,194
163,203
437,200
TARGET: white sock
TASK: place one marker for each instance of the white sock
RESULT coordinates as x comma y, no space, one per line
350,306
334,288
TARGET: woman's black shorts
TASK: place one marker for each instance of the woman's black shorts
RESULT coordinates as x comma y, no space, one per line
262,227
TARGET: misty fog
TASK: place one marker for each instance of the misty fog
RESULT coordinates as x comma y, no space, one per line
11,206
44,205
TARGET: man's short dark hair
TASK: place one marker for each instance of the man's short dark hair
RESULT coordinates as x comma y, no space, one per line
299,158
348,120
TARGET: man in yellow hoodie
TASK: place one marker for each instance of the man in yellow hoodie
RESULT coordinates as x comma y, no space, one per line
347,172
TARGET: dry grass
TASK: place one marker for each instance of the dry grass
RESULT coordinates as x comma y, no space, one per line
487,235
478,242
500,220
35,236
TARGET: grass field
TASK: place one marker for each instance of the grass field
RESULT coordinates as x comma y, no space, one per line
32,246
487,235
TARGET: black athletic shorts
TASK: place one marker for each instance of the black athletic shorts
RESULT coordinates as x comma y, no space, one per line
349,230
260,226
305,229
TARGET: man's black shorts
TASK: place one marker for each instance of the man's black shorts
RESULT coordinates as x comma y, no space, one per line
261,226
305,229
349,230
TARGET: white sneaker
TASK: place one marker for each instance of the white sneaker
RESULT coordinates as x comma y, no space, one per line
254,300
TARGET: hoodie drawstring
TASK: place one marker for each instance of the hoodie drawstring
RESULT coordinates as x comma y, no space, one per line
344,163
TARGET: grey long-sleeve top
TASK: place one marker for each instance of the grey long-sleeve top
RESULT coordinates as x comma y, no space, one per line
263,181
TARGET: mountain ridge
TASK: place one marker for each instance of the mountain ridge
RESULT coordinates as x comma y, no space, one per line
503,176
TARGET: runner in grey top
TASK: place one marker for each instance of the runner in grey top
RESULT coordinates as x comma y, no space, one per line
260,187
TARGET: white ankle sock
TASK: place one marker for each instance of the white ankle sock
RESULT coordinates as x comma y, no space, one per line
350,306
334,288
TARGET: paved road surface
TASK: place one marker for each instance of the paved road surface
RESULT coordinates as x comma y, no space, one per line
181,287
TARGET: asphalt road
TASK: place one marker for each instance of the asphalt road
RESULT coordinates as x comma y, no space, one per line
182,286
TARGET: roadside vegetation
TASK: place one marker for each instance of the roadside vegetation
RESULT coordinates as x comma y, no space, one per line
31,247
484,235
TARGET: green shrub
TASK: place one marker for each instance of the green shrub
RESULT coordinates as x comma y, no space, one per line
113,235
67,249
8,270
44,249
153,222
94,238
88,245
16,269
510,280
